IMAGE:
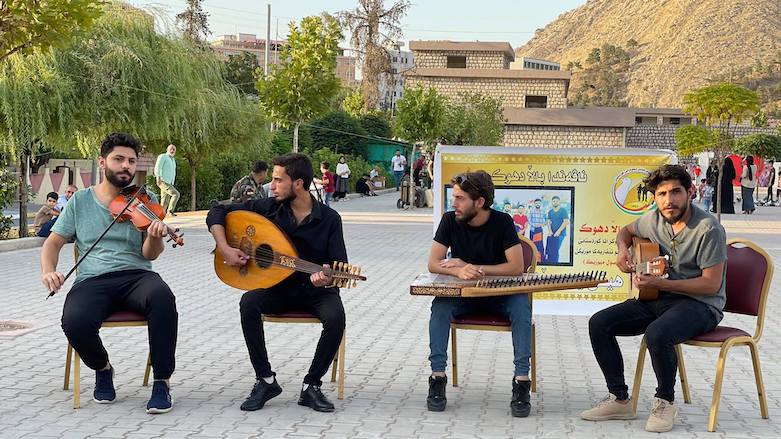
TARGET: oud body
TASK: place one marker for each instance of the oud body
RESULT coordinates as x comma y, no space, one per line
272,256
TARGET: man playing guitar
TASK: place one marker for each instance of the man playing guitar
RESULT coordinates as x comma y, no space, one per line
316,231
117,274
690,300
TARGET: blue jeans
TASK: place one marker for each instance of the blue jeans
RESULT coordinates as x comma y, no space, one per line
328,197
46,228
398,175
516,307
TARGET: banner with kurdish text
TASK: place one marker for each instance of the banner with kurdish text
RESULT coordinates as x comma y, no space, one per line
585,195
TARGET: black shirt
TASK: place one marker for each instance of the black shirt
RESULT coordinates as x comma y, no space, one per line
361,187
483,245
319,237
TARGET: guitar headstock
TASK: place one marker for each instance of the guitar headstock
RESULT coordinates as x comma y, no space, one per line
345,275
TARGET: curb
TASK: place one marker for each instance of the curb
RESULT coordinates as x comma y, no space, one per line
21,243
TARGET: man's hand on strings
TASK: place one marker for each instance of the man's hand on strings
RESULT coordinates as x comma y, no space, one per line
53,280
469,272
320,279
233,257
156,229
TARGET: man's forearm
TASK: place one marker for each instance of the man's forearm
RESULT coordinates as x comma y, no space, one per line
49,257
152,248
698,286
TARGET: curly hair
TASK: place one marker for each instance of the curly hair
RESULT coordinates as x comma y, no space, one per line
119,139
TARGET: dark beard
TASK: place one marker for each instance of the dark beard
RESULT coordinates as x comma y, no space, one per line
467,217
113,178
675,219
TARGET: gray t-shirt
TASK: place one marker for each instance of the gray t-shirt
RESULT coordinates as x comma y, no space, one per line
701,244
85,218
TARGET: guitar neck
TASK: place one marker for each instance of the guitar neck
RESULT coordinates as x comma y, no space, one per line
304,266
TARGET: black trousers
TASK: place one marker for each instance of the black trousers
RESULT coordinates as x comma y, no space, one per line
92,300
666,322
323,303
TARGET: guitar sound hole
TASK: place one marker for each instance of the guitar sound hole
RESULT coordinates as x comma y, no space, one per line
264,255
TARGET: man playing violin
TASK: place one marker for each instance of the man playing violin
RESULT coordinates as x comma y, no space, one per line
116,275
482,242
690,300
316,232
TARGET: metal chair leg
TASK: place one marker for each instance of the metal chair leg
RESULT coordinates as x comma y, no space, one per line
68,356
147,369
341,354
687,398
454,352
76,380
714,406
534,358
758,378
638,375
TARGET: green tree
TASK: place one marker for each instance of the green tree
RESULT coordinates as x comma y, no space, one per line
766,146
339,132
193,22
376,125
302,86
473,119
373,28
720,107
353,103
29,24
759,120
37,107
242,71
420,115
604,80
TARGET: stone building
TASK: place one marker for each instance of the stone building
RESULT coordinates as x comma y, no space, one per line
454,67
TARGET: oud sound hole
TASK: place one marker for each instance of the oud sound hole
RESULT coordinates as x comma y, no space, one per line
264,255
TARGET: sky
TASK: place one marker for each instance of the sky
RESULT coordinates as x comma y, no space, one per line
513,21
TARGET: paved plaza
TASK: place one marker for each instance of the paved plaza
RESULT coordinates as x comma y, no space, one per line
386,361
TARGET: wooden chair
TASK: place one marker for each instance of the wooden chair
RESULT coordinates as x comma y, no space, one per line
119,319
749,274
307,317
496,322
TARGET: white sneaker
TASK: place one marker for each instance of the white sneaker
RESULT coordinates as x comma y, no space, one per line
609,409
662,416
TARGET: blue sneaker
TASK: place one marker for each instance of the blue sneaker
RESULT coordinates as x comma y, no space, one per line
104,387
161,401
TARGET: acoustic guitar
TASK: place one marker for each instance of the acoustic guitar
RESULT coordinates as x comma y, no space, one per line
647,259
272,257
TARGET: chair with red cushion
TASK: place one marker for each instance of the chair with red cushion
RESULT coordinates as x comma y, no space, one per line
119,319
749,274
497,322
307,317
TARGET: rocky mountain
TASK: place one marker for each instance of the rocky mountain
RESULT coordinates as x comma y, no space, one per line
683,44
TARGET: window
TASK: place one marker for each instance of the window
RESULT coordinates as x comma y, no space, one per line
675,121
536,102
394,59
638,120
456,62
393,70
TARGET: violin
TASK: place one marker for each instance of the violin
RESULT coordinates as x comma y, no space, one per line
135,205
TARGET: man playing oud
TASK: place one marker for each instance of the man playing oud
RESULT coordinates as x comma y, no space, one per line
482,242
316,232
690,299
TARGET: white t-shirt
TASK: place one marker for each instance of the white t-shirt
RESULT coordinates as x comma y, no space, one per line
398,162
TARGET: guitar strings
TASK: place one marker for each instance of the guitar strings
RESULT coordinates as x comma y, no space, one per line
266,256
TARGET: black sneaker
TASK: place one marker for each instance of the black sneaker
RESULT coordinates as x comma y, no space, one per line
520,406
313,398
261,392
436,401
161,401
104,387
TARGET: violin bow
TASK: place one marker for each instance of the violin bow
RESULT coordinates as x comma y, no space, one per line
127,206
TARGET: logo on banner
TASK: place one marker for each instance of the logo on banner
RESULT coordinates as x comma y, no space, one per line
630,193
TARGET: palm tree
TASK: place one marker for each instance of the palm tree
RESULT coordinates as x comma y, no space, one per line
373,28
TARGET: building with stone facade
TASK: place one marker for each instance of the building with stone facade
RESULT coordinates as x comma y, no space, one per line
454,67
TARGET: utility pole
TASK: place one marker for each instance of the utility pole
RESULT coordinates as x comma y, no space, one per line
268,40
